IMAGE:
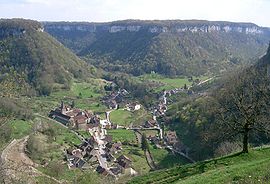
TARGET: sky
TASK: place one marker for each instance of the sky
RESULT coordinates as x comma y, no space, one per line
255,11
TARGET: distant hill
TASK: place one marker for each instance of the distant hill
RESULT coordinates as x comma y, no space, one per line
173,47
33,62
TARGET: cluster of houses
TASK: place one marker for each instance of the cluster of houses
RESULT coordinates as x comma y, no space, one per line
98,151
170,138
78,119
114,98
88,155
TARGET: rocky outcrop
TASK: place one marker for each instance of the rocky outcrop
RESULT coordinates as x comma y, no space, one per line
17,27
159,27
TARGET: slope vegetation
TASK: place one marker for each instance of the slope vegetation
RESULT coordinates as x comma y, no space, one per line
33,62
166,47
238,168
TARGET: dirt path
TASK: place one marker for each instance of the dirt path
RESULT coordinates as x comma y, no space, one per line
150,160
17,167
147,153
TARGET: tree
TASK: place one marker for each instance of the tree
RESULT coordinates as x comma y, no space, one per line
72,104
185,86
242,105
145,145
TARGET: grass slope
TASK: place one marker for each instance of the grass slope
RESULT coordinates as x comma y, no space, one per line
239,168
122,135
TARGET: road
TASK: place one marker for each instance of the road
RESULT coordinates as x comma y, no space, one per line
108,116
202,82
17,166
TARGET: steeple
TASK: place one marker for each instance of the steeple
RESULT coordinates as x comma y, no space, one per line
62,107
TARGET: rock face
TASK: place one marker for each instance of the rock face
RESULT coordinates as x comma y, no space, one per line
171,47
18,27
159,27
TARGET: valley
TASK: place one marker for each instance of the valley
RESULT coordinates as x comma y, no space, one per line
134,102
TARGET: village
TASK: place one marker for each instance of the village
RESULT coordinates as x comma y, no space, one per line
99,152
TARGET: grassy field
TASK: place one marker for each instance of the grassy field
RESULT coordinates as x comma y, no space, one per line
14,129
237,168
137,157
149,132
169,83
85,95
127,118
122,135
165,159
121,117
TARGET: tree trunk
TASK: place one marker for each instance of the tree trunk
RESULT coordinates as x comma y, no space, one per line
245,140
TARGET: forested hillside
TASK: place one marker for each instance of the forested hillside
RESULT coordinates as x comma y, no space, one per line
33,62
166,47
212,123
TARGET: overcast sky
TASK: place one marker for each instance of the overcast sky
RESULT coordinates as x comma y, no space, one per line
256,11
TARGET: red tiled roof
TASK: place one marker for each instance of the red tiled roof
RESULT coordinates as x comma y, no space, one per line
80,119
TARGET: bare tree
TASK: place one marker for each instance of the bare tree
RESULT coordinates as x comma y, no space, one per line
243,105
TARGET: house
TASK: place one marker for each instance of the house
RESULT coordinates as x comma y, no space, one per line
102,170
107,139
133,106
116,147
112,104
93,143
74,162
154,139
119,98
116,169
69,116
80,121
113,147
109,157
123,92
95,119
150,124
77,153
92,128
124,162
105,124
171,137
64,119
